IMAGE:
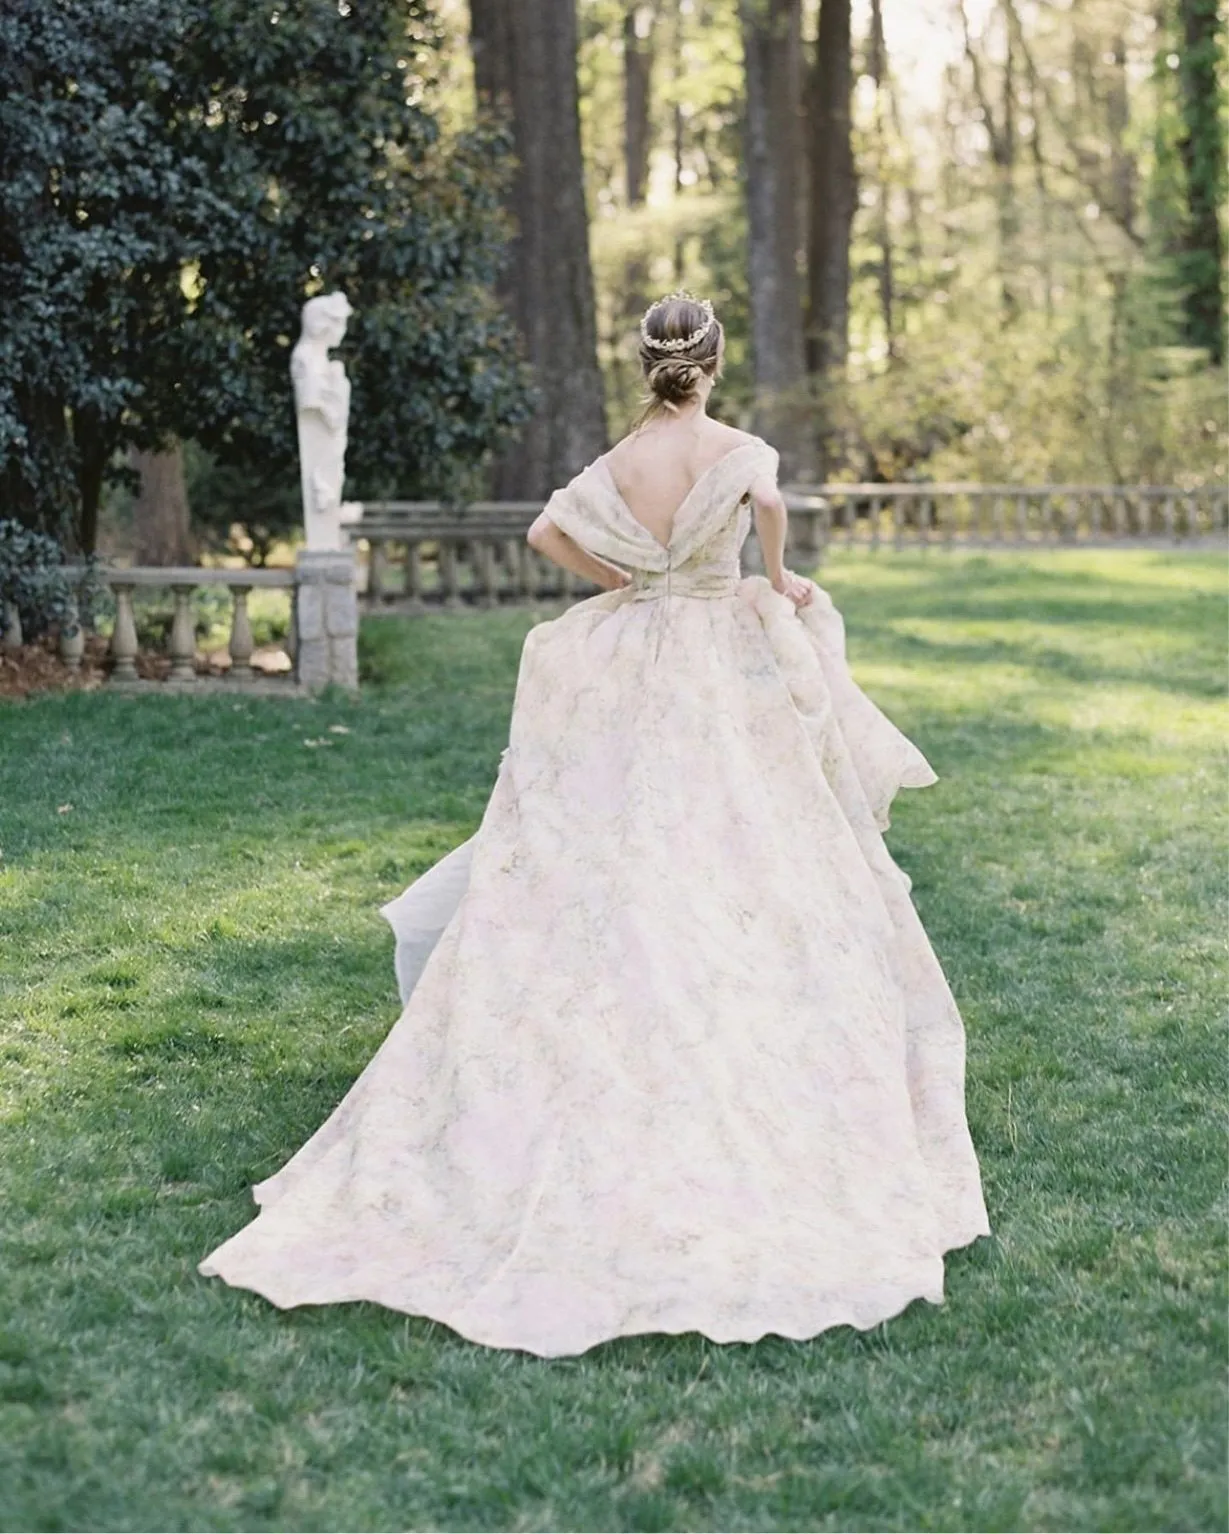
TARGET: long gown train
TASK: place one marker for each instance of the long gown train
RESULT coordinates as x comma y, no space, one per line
675,1051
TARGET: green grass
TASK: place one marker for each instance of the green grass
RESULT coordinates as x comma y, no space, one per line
193,970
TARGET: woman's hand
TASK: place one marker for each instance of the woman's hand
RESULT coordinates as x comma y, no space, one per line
798,590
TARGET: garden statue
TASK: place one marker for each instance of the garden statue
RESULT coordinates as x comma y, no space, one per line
322,404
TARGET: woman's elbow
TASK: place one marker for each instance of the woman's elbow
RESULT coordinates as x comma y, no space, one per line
540,533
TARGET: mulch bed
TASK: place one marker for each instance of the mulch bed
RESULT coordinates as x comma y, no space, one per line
37,667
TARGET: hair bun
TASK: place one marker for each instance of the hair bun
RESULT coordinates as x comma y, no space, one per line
674,379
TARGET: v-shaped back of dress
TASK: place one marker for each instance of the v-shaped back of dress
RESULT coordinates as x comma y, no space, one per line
706,529
696,488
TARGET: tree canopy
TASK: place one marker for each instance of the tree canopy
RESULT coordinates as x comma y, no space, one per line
176,177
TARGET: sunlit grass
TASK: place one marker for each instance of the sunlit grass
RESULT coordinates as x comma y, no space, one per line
193,970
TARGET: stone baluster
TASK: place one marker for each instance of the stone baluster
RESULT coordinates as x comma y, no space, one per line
849,510
515,584
1118,508
183,636
450,589
1190,503
1167,512
1144,502
124,636
10,627
413,576
72,637
240,645
526,571
488,584
377,571
1022,517
924,509
898,521
876,514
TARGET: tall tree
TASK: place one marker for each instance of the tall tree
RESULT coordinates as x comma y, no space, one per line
525,69
833,189
772,53
876,69
1000,125
638,22
1203,158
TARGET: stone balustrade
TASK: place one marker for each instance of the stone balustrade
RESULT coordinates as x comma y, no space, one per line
1008,516
423,555
322,644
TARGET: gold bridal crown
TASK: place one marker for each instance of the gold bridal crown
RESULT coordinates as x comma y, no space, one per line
682,343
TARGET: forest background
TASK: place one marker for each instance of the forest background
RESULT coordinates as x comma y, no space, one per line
961,240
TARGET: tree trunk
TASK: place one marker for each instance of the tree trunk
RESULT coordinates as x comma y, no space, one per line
161,531
1001,130
1203,157
524,55
1123,171
772,50
93,452
832,191
876,68
637,79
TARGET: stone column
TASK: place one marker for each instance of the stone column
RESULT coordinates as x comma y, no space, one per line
326,618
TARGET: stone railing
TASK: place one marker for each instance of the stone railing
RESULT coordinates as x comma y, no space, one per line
322,643
422,555
1006,516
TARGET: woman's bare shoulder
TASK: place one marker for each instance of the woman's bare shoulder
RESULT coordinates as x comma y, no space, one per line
717,437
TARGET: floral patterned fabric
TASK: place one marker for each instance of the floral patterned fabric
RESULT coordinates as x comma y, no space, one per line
676,1053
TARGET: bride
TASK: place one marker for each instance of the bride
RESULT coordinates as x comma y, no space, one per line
676,1053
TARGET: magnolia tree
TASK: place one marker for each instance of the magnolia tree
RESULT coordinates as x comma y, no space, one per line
176,177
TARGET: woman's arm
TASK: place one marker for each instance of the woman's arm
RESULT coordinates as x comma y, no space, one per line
771,523
546,538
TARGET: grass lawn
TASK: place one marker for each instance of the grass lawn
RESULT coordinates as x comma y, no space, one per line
193,971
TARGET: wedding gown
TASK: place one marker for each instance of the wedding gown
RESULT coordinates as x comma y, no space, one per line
676,1053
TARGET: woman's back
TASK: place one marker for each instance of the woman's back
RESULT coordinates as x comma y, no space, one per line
655,469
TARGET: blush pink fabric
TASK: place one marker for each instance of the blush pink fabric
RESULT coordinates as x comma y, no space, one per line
676,1053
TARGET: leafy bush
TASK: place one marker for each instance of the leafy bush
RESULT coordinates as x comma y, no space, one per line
35,579
176,178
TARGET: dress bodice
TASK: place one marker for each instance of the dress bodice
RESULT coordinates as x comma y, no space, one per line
707,533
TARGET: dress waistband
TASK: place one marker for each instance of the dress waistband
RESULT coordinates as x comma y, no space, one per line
682,583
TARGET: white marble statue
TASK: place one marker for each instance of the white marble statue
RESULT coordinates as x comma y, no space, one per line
322,404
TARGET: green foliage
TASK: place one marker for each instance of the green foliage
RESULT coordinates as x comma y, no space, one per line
244,509
193,972
176,176
1090,374
35,579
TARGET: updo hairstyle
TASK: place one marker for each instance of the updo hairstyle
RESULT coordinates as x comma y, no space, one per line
680,343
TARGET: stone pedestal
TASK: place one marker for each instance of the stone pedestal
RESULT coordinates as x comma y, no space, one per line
326,619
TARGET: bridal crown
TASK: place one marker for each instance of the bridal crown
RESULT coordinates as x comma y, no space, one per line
680,343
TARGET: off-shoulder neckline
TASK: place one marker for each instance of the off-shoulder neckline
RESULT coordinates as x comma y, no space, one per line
757,442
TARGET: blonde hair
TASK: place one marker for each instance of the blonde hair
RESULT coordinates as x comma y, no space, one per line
673,372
